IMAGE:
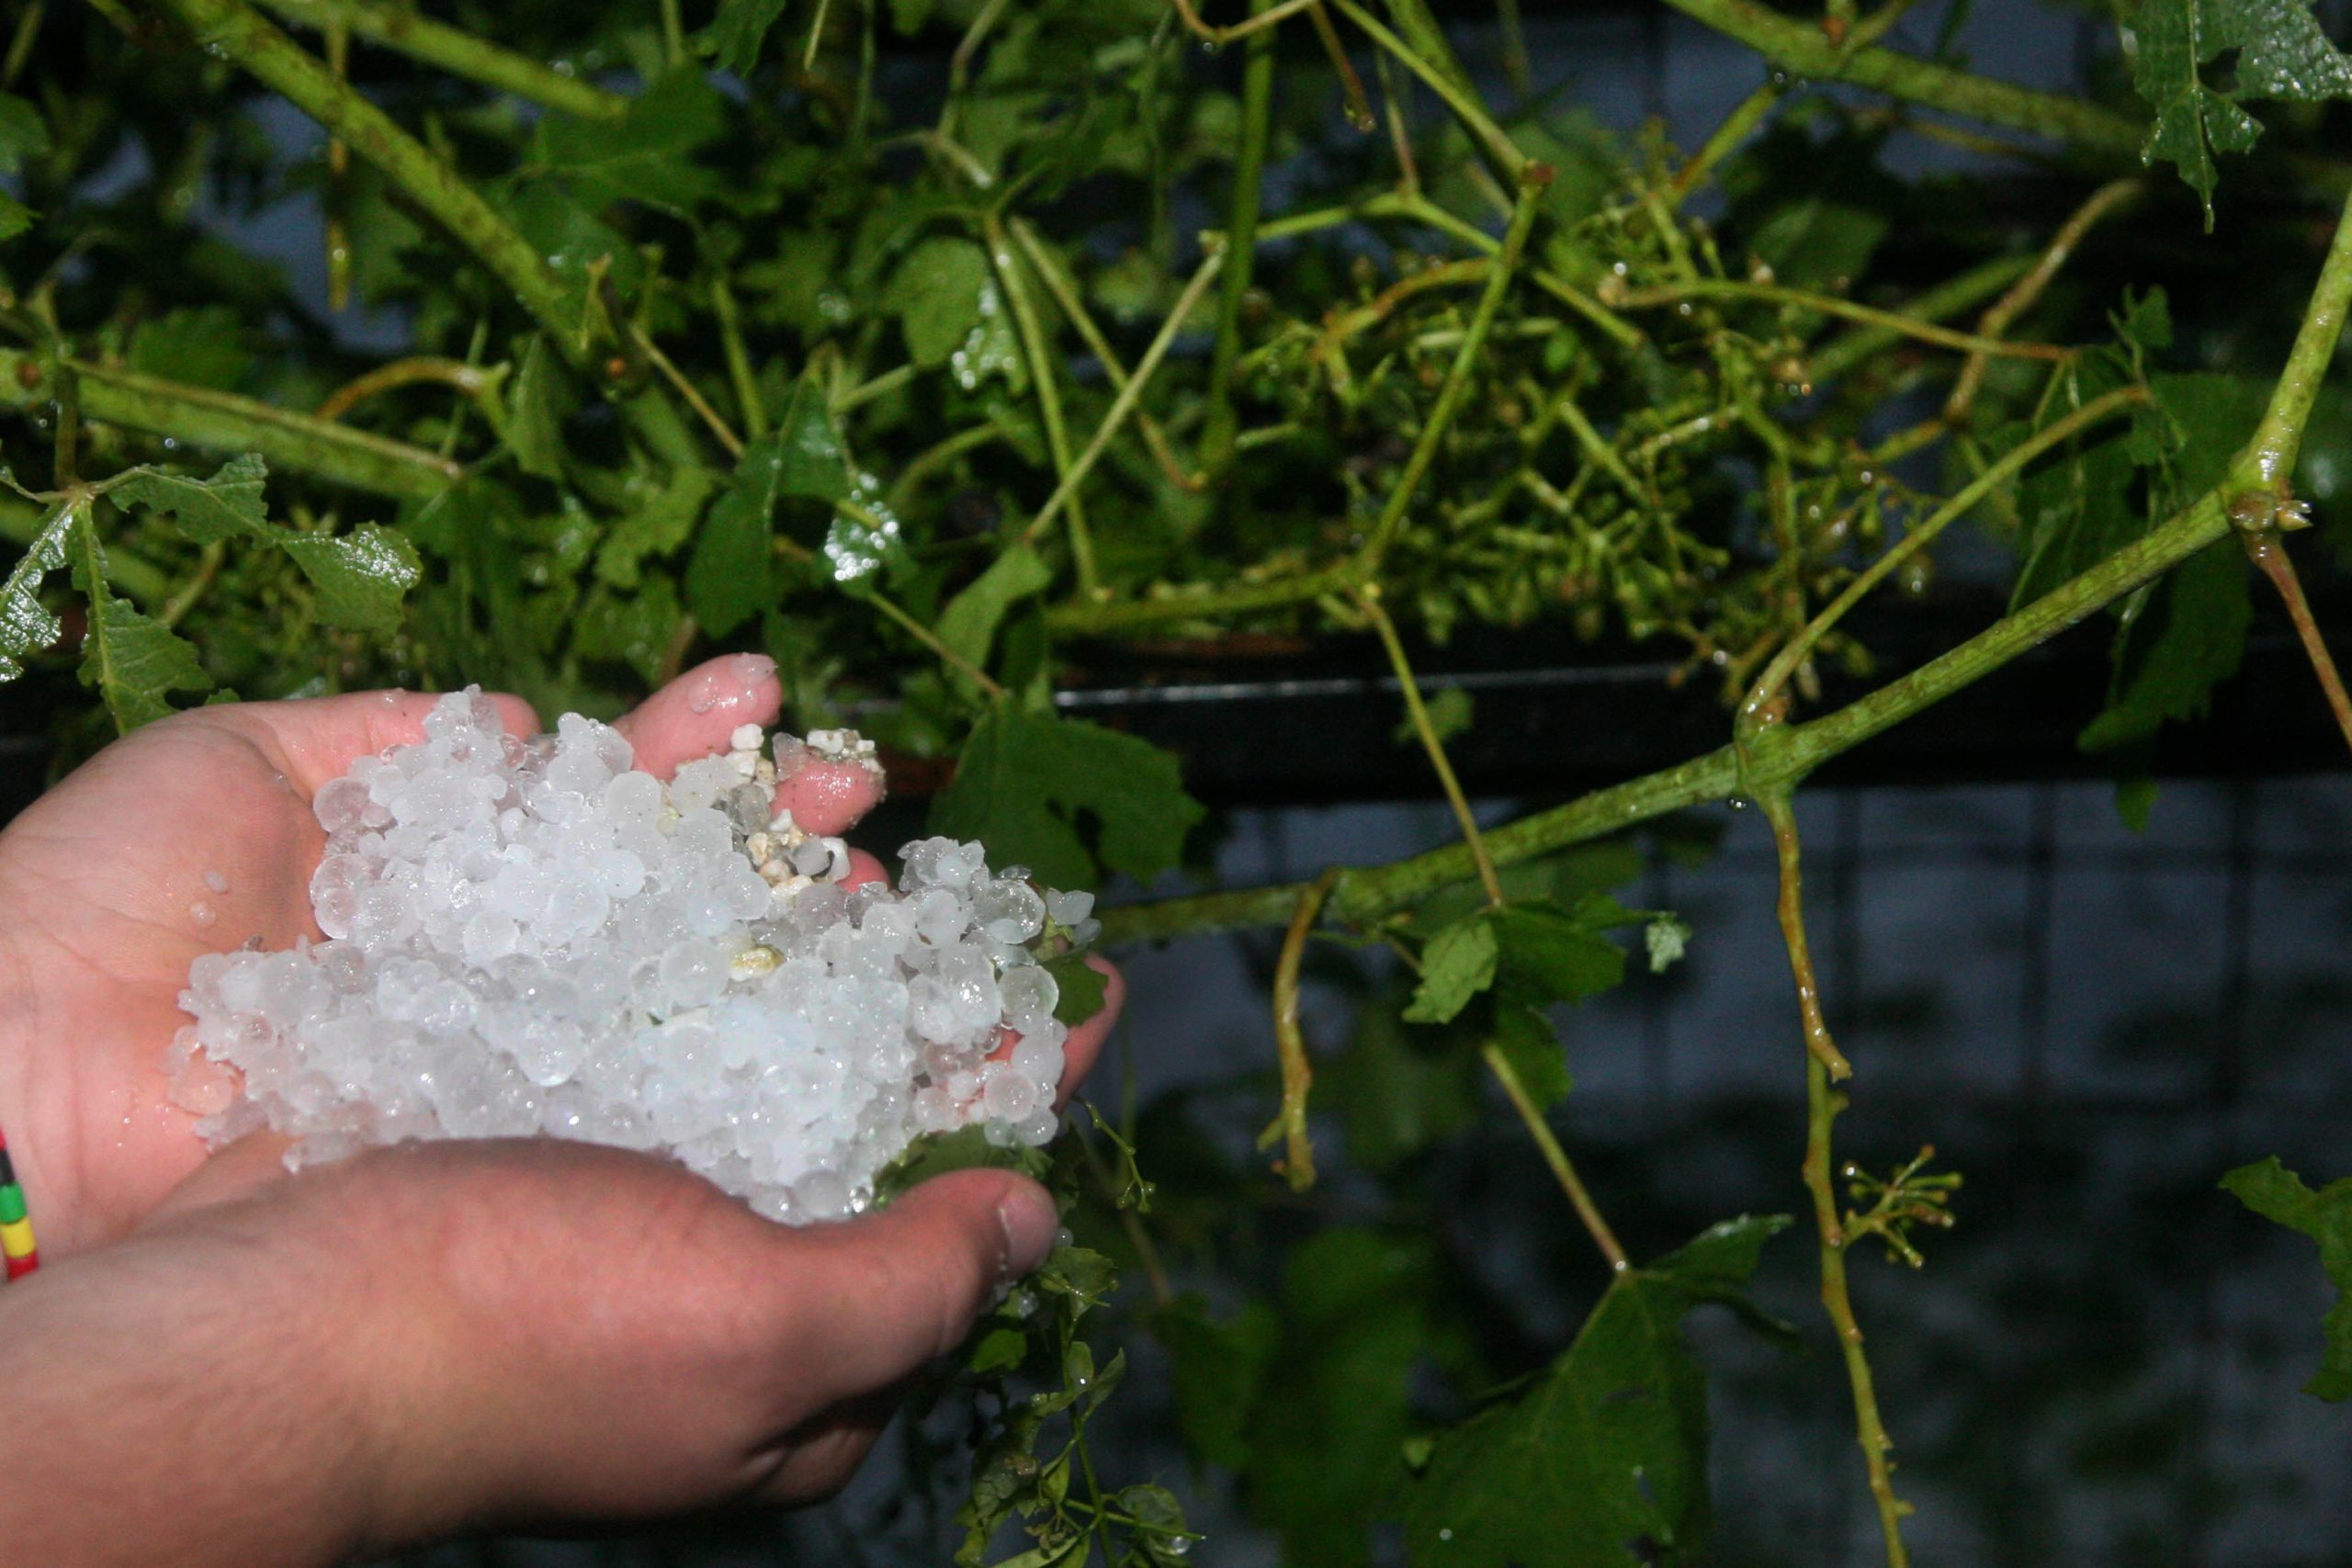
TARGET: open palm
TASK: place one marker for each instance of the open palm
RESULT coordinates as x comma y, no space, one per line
196,835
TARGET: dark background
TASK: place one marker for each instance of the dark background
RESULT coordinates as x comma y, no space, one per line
2099,1363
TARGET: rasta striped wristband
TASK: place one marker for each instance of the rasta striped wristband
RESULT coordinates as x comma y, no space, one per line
17,1248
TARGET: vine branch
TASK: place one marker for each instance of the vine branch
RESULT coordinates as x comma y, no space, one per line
1289,1124
459,53
280,64
1823,1068
229,425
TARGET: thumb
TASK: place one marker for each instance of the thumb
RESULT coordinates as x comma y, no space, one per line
245,1166
876,1298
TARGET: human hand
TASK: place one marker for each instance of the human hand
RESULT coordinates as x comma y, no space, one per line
194,835
443,1336
263,1368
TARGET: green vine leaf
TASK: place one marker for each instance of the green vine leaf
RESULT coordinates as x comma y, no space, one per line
228,505
1527,957
1557,956
1069,800
731,577
133,661
205,346
2281,53
1451,711
646,155
1457,964
937,293
23,134
1395,1090
2272,1190
659,519
936,1154
1324,1434
634,629
361,577
968,624
26,626
1081,988
2183,637
813,457
1600,1462
732,40
2186,637
538,402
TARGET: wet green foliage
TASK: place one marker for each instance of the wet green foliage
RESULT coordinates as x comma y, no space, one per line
1601,1458
912,350
2277,1194
2276,51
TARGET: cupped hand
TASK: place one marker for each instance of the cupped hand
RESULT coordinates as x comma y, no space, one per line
436,1337
194,835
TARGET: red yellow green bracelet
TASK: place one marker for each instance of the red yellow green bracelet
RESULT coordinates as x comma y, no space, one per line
17,1248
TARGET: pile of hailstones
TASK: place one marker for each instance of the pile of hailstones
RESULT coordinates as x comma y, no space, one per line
532,938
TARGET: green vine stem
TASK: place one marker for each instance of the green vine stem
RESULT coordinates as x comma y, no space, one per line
2113,196
227,423
1421,210
1353,104
1064,290
688,393
1823,1067
469,380
1084,618
1367,601
741,378
1535,179
2268,550
1769,686
66,465
1213,604
1456,94
1220,425
930,640
1289,1125
1132,393
1364,893
459,52
285,66
1737,128
1805,49
1530,1115
1831,305
2268,460
1044,376
1946,299
1564,1170
1262,19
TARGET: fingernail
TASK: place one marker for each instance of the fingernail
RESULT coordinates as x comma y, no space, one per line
1030,1223
753,667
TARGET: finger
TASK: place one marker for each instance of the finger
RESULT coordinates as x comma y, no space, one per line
826,796
875,1299
238,1171
1085,1041
817,1458
863,868
317,738
697,714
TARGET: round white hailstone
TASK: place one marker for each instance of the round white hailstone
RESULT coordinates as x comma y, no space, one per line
531,937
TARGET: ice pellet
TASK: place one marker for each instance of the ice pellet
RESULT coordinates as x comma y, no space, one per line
532,938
